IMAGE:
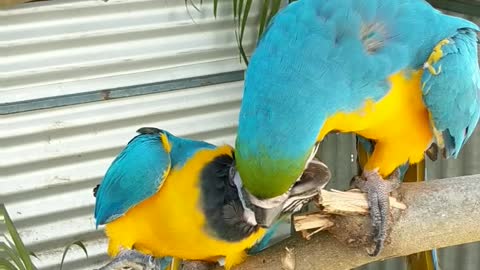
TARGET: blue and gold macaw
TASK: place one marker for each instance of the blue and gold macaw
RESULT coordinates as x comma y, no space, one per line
166,196
397,72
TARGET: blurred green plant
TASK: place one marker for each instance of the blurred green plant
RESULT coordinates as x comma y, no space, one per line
241,12
13,253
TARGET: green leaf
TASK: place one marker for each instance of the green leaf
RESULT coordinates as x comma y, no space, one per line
234,9
275,7
76,243
215,7
21,249
6,265
8,252
239,10
33,254
248,5
263,17
193,5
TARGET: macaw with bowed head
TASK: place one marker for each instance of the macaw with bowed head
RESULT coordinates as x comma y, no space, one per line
166,196
397,72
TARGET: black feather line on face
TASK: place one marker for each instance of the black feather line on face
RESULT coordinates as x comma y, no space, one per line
220,202
95,190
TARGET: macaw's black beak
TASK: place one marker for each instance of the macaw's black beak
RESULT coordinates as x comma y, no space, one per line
265,217
314,178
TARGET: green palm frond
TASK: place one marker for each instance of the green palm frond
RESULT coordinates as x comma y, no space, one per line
241,12
65,251
13,253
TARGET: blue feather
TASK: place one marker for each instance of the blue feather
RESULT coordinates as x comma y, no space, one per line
183,149
280,230
318,58
139,170
135,175
453,95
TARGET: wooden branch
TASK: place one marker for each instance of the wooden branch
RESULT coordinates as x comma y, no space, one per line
335,202
440,213
427,215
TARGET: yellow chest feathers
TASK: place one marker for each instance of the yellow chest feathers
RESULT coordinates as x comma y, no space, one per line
399,122
173,221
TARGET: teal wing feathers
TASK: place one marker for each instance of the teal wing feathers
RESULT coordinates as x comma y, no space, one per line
136,174
451,89
279,231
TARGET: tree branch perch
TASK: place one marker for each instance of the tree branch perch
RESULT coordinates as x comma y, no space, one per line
440,213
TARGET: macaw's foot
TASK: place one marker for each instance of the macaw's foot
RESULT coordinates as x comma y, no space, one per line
378,191
131,259
198,265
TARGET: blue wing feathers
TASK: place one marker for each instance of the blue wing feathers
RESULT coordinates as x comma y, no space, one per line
135,175
452,95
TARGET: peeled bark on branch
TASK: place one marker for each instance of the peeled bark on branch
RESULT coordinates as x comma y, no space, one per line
439,213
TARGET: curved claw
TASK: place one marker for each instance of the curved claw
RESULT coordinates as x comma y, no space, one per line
378,191
132,259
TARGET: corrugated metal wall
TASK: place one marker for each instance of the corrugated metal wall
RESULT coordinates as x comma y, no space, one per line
63,52
51,159
63,47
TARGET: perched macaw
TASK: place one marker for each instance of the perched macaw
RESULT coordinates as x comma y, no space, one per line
397,72
166,196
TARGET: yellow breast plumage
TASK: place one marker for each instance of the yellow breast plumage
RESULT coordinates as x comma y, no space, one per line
172,222
399,123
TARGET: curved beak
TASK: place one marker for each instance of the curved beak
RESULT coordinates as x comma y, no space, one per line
313,179
265,217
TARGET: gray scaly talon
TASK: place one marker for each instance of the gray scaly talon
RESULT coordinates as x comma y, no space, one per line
378,191
131,259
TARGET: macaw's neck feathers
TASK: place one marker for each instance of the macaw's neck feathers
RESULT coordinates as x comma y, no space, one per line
221,202
183,149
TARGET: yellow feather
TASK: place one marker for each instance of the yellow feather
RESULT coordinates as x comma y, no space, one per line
399,123
165,143
171,223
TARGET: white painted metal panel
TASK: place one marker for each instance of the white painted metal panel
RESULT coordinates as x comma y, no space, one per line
64,47
51,159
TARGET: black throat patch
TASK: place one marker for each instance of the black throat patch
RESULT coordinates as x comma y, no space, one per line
220,202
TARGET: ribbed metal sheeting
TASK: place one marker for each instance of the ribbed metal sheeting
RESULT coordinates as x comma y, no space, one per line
51,160
61,49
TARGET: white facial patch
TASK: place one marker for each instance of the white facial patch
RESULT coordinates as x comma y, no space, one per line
248,214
